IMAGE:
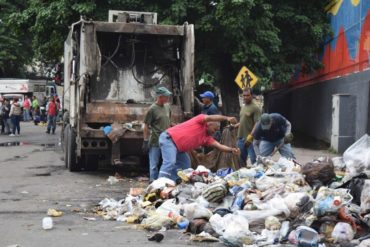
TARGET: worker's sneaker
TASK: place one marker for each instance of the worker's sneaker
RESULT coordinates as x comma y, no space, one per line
11,135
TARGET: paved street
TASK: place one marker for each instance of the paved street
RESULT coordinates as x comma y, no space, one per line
33,179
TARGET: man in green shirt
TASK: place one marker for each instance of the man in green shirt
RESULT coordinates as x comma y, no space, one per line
34,105
157,119
250,114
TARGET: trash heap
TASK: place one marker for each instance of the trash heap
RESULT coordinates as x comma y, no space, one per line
325,202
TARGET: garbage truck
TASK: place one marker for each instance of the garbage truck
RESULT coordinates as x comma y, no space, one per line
111,71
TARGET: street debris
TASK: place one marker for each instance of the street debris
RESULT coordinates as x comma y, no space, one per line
47,223
54,213
90,218
158,237
324,202
112,180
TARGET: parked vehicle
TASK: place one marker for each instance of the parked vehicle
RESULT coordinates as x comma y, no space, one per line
111,70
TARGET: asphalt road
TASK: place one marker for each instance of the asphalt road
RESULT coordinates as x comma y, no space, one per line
33,179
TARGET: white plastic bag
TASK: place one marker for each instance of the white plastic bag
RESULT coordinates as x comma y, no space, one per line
357,157
234,230
196,211
266,182
159,184
169,206
342,233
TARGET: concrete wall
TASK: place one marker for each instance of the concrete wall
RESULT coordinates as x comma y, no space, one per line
310,108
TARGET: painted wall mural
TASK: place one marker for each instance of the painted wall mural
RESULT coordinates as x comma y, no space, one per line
348,51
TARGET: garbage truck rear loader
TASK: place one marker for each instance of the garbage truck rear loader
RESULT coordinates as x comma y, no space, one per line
111,71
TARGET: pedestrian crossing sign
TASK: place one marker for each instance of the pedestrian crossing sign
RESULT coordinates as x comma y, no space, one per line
245,78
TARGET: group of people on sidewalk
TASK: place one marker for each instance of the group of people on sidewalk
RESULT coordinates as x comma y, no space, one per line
258,134
11,114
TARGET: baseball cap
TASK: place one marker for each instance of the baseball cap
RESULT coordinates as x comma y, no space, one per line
266,121
207,94
162,91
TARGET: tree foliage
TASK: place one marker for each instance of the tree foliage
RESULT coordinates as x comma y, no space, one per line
14,49
271,37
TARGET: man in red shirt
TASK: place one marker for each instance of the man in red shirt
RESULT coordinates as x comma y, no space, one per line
176,141
52,110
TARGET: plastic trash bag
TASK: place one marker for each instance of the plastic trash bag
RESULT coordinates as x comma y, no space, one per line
319,172
215,191
330,200
342,233
306,236
365,197
169,206
155,222
196,211
298,202
224,171
234,230
159,184
272,223
357,157
266,182
257,217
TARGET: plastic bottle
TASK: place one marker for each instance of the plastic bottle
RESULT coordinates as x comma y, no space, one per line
284,229
47,223
182,222
307,237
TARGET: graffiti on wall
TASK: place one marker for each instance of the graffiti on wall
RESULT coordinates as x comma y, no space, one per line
348,50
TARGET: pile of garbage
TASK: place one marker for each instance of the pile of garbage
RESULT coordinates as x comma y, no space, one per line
322,203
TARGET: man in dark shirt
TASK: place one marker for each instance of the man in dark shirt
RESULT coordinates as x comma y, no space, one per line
273,131
208,107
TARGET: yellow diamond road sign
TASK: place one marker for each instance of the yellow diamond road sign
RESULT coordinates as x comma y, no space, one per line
246,78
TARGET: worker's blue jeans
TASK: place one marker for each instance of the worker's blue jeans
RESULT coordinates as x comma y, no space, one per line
266,148
244,152
154,157
51,123
173,160
16,125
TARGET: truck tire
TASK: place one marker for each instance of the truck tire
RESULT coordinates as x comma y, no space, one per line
73,163
65,145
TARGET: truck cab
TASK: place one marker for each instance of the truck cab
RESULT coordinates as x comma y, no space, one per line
111,71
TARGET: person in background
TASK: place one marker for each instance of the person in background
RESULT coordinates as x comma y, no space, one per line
6,120
1,116
34,104
26,109
52,111
36,116
15,115
176,141
207,105
158,119
250,114
273,131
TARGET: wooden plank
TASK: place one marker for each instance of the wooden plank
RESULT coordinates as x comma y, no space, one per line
137,28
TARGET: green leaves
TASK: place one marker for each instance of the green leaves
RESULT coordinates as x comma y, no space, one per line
271,37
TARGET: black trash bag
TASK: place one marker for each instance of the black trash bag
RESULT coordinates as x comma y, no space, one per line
355,186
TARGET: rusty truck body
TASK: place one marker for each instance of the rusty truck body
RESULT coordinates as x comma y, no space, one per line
111,71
